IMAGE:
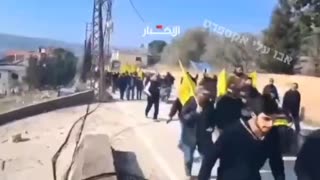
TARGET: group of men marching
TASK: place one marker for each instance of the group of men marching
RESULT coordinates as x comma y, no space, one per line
132,86
251,127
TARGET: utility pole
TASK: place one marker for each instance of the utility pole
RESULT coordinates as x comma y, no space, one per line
101,28
102,83
87,35
109,30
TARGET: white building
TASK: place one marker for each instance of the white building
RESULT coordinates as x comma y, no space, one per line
11,77
130,56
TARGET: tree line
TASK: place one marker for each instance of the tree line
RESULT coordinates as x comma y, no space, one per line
54,70
293,33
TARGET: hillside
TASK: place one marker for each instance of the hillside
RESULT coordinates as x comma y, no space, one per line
16,42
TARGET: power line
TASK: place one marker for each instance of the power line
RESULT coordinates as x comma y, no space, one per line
136,11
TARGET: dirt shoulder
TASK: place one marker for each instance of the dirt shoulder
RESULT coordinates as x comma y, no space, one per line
152,143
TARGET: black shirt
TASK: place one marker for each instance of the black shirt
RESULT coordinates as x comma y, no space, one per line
228,111
242,155
154,88
291,102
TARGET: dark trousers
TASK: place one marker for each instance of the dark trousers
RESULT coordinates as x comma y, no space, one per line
114,87
153,101
296,121
122,90
130,93
139,93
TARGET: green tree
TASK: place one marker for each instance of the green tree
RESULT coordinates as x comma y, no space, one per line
190,46
87,62
155,49
308,13
58,69
33,76
283,37
308,18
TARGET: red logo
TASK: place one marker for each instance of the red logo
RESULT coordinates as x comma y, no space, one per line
159,27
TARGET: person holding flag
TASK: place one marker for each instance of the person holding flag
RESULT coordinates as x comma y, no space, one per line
197,119
197,122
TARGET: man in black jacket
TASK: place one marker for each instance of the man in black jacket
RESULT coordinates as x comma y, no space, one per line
291,105
122,83
271,89
244,148
153,99
197,124
139,87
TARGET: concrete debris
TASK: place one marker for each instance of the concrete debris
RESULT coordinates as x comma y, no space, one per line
18,138
93,158
3,164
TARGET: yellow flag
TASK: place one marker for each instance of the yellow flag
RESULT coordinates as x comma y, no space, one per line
125,68
254,77
222,83
140,73
187,88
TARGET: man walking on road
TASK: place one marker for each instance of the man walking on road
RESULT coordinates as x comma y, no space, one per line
139,87
131,86
244,147
153,92
271,89
291,105
196,121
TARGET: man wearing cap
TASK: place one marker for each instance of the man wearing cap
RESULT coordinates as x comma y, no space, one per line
244,147
197,123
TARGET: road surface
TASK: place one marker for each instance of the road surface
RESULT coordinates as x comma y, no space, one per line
154,143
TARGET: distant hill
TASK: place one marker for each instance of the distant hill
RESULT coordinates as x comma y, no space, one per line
15,42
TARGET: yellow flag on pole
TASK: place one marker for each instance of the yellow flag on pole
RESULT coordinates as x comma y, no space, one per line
222,83
187,87
254,77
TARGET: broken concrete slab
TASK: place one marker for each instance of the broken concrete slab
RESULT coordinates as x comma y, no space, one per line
94,158
18,138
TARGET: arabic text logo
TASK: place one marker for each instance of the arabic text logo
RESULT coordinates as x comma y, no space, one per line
160,30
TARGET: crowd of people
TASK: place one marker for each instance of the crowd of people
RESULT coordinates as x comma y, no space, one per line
131,87
253,126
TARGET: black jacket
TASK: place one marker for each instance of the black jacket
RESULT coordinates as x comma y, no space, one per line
307,163
242,155
272,90
154,88
207,120
200,121
291,102
228,111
